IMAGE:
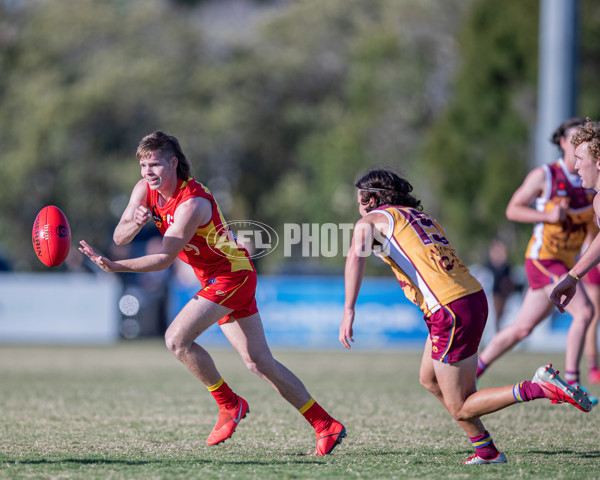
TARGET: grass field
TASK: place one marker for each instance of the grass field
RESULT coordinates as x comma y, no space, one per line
131,411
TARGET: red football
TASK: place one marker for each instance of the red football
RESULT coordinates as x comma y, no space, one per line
51,236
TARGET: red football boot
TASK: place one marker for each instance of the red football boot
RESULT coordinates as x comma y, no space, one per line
559,391
329,438
228,422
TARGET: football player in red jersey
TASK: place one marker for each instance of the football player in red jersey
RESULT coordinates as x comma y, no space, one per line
561,215
195,231
453,303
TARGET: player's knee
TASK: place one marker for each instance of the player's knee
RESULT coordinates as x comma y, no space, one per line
584,314
174,344
429,383
461,416
261,365
522,332
458,413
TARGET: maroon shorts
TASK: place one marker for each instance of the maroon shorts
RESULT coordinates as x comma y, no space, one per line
233,290
543,272
593,276
455,330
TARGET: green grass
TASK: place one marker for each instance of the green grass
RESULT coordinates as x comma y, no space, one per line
131,411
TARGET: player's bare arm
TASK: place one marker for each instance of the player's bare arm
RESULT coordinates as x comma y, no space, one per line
188,217
135,216
565,290
519,207
366,231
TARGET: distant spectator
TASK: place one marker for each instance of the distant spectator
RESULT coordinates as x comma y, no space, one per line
503,284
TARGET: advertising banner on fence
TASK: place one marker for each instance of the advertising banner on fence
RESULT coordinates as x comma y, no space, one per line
305,312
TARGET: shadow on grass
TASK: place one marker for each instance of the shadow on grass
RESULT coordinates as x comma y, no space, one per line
97,461
590,454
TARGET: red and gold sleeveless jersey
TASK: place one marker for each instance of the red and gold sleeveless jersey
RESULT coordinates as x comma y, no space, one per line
561,241
213,249
425,264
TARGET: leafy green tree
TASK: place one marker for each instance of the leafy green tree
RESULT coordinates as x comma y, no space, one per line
82,82
477,152
278,122
325,91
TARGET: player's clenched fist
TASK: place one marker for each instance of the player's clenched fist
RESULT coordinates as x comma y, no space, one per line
142,215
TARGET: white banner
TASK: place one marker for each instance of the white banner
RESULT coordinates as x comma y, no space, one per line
58,308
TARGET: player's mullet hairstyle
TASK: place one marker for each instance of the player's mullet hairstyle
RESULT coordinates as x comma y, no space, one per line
387,188
165,145
588,132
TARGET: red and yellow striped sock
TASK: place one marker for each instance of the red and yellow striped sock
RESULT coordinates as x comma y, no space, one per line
316,415
223,394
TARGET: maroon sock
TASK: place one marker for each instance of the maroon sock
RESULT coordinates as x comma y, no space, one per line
480,367
527,391
571,377
484,446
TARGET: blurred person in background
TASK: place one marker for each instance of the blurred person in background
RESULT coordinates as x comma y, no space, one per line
587,154
453,303
561,214
5,265
195,231
502,283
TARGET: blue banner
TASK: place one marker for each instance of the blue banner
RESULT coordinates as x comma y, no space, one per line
306,312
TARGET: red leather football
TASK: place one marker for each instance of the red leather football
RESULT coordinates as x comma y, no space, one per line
51,236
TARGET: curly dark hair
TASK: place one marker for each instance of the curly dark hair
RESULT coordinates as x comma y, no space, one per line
589,132
387,188
165,145
563,129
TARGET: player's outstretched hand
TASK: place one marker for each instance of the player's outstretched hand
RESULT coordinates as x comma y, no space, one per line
103,262
566,288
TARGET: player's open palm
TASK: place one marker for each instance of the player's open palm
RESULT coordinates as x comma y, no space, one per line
103,262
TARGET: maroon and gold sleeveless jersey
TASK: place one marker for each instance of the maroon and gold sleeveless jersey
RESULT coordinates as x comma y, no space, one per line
563,240
423,261
213,249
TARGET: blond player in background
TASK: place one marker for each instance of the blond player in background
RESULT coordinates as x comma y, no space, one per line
561,213
587,154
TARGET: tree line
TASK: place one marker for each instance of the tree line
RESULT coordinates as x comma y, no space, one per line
279,115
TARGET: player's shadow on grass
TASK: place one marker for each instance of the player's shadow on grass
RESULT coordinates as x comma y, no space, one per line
590,454
195,461
82,461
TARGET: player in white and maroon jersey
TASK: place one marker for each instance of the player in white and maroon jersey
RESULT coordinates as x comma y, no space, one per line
453,303
561,215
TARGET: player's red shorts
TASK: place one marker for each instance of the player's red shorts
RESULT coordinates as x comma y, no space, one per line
456,329
234,290
593,276
543,272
